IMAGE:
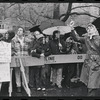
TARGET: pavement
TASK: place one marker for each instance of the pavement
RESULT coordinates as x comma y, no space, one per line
78,90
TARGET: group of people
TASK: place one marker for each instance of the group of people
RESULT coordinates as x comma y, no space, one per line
57,75
40,45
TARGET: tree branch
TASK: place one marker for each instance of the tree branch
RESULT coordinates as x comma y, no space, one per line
76,13
40,14
22,18
85,6
10,6
67,13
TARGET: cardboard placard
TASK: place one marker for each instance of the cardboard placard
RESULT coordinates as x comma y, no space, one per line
5,52
4,72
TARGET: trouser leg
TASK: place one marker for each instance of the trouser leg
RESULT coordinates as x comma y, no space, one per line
51,76
27,73
59,76
37,77
43,76
65,75
48,73
54,75
32,71
18,77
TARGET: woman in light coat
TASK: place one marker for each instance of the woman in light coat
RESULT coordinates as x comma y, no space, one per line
90,74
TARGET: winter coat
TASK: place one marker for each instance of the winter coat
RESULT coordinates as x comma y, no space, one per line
90,74
54,50
18,48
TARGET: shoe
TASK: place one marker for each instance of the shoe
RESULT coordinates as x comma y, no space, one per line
43,89
38,89
59,86
18,89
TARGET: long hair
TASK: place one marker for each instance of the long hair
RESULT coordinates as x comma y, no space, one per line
11,35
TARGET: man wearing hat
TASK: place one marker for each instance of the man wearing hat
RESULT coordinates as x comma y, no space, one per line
90,74
39,49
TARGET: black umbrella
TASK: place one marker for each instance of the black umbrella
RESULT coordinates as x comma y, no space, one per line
36,28
80,30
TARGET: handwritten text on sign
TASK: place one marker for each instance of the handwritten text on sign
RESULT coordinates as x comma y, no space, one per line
5,52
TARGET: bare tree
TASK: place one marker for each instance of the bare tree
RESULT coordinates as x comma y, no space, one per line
70,13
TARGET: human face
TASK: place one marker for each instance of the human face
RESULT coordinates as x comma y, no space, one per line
57,35
20,32
69,42
91,29
36,33
6,36
47,39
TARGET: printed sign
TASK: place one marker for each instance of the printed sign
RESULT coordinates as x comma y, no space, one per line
4,72
5,52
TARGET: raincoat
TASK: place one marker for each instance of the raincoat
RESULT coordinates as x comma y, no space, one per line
90,74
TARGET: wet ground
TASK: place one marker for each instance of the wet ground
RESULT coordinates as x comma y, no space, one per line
78,90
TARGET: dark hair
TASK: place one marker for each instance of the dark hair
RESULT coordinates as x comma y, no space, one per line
22,28
11,34
1,36
54,33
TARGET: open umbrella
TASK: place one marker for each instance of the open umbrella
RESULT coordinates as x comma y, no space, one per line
47,27
2,31
80,30
63,30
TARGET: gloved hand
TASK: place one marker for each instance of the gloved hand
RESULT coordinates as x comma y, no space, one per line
42,54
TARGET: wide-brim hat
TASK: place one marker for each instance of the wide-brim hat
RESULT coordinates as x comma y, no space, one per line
96,22
80,30
36,28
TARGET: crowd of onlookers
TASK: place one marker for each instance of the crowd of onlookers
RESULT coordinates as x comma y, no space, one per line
37,44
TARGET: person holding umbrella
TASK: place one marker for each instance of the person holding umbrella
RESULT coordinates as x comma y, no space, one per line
90,74
56,48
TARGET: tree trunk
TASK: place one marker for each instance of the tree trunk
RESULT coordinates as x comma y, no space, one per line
56,12
66,16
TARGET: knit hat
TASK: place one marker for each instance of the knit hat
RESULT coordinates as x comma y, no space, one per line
38,35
